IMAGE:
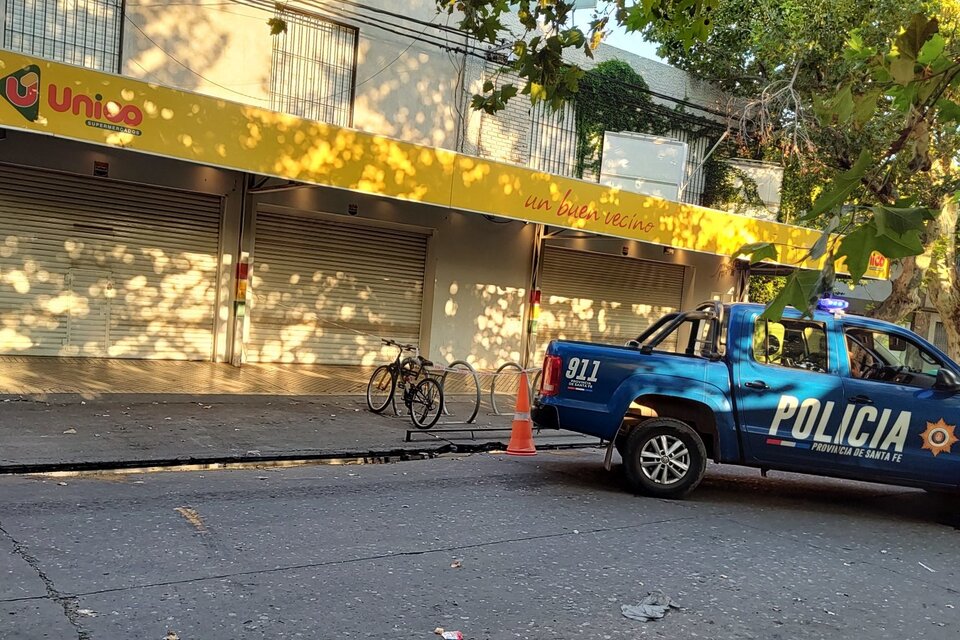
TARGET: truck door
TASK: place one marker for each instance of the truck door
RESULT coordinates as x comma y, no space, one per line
790,395
905,425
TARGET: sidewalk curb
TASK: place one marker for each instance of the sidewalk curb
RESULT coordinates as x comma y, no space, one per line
401,454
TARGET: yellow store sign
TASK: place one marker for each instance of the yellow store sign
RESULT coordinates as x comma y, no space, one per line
80,104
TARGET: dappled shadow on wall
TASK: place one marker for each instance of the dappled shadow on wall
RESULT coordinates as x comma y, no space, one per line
602,321
332,315
87,297
324,154
486,323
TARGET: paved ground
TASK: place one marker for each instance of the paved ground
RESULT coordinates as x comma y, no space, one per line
550,547
68,431
89,413
93,377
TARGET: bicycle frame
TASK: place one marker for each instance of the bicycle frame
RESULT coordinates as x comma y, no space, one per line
405,380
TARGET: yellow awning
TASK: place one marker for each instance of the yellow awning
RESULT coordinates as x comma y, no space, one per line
105,109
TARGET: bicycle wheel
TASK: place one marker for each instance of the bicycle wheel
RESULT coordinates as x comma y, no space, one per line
381,388
426,404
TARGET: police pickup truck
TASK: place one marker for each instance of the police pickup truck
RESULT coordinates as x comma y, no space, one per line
832,395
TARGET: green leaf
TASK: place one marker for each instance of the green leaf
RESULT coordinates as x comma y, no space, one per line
902,70
896,221
880,74
277,26
801,291
844,104
842,186
948,110
758,251
859,244
857,49
900,245
856,247
866,106
932,49
916,35
903,97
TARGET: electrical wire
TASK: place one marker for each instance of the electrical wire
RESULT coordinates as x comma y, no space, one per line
179,62
442,42
352,11
351,16
148,73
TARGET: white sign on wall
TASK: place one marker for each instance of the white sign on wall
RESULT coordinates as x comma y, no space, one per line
644,164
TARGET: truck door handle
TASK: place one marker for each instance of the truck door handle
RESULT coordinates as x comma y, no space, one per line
756,384
861,399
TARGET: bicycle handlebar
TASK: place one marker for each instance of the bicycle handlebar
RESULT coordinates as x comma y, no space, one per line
394,343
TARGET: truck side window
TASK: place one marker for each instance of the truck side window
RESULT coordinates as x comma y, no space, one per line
797,344
886,357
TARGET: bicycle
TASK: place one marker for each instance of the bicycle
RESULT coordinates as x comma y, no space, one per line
422,395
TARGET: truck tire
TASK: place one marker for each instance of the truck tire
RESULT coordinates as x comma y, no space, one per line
665,458
620,442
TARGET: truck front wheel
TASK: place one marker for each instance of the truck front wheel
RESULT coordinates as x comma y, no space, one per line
665,458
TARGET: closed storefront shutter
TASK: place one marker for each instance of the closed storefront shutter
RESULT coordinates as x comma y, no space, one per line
603,298
95,267
323,289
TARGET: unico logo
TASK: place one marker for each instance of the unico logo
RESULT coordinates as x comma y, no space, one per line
119,117
22,90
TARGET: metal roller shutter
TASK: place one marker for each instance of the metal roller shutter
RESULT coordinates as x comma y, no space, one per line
321,289
603,298
95,267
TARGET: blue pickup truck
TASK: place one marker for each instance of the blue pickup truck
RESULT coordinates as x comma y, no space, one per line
832,394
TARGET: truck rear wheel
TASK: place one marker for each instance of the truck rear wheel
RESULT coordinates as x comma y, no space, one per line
665,458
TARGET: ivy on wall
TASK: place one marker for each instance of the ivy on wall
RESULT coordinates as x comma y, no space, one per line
612,97
728,188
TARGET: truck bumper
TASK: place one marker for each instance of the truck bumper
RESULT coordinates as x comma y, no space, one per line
545,416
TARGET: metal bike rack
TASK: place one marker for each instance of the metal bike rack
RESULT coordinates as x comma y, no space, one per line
493,384
467,367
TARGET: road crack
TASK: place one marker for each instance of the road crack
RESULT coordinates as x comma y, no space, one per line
69,603
368,558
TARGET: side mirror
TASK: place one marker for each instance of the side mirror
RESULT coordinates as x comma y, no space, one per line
947,380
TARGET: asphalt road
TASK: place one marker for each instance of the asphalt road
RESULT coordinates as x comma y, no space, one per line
548,548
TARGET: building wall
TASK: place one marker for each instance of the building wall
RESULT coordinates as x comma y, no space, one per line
31,150
505,136
660,77
478,272
404,88
708,276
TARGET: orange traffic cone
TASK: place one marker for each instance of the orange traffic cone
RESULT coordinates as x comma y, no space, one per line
521,436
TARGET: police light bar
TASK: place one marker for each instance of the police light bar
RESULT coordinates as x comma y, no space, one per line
833,305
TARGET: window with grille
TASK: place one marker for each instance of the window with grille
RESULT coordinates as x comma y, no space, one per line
553,139
314,69
81,32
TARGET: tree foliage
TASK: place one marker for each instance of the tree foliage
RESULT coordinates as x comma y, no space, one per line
546,33
611,97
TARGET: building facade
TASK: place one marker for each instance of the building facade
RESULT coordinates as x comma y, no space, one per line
178,183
